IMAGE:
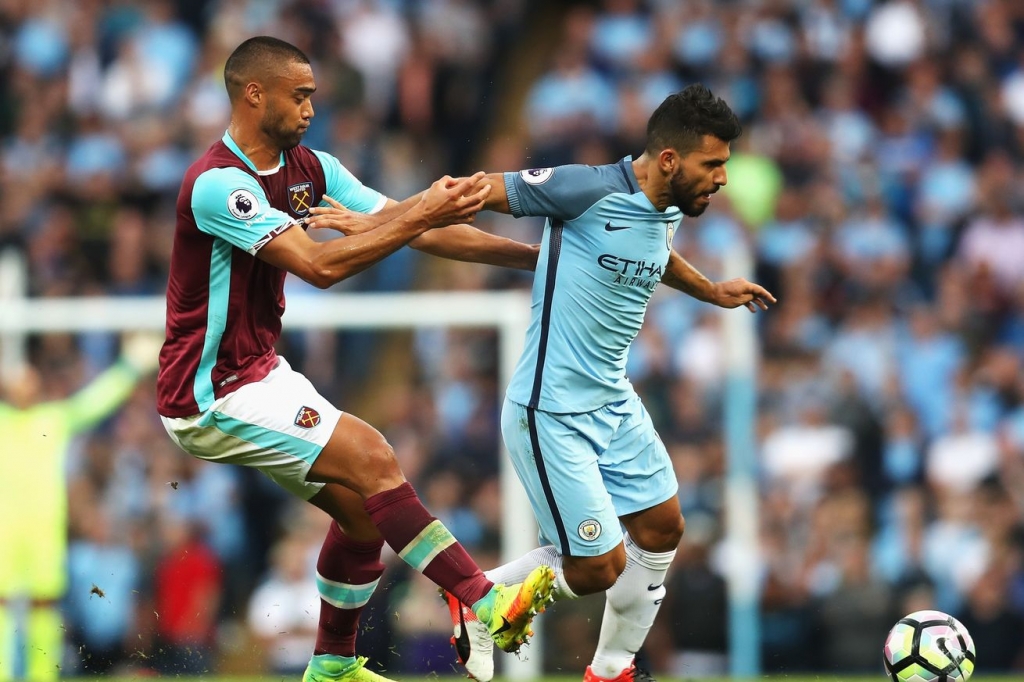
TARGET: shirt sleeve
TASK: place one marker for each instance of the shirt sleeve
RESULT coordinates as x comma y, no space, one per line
346,189
562,193
230,204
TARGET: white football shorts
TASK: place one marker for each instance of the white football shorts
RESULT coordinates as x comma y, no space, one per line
278,425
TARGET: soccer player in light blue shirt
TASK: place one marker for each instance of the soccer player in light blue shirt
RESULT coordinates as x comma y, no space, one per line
579,437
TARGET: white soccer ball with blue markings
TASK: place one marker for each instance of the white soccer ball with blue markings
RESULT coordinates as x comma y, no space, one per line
929,646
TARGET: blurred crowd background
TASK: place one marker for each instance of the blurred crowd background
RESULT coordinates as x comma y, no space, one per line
879,184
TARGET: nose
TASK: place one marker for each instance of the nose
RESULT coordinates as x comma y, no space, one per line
721,178
307,112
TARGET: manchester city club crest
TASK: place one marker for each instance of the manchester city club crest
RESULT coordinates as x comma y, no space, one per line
300,197
307,417
589,529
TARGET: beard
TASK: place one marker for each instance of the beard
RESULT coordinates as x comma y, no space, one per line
692,209
289,140
687,197
283,136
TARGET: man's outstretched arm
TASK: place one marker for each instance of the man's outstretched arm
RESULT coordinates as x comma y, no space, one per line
459,242
679,274
323,264
468,244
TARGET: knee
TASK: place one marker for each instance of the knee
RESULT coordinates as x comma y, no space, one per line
678,530
366,465
381,467
663,537
588,575
380,455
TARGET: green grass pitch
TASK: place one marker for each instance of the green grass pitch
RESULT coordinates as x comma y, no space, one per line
452,678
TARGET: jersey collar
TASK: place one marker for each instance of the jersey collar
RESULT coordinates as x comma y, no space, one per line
626,166
230,144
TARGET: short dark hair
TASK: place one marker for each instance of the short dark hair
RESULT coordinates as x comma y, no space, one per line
684,118
255,59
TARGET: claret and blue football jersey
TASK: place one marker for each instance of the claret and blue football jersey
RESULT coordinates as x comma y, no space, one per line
224,306
604,251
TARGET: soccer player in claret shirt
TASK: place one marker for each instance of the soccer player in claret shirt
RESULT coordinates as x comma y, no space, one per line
581,441
224,395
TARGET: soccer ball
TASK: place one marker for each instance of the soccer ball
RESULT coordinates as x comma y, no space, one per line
929,646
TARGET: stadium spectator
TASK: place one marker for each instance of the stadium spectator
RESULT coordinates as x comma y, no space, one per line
993,239
188,585
857,596
992,619
695,611
100,619
282,611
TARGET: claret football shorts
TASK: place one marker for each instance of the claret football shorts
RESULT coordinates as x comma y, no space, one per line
278,425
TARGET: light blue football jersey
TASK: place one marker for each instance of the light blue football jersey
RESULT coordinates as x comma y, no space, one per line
604,251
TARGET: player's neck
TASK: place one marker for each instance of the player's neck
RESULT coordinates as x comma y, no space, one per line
651,183
263,154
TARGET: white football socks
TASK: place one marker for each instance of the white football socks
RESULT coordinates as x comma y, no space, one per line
516,571
630,607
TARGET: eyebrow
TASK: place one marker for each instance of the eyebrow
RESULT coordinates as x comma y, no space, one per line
306,90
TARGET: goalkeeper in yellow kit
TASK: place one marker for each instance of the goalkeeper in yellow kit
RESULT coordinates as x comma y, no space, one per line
34,439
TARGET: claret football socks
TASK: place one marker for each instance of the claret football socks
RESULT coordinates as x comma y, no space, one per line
503,617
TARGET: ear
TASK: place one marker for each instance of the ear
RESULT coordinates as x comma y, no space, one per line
253,94
668,159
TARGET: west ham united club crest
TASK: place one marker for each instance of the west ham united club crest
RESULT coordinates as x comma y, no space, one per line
307,417
300,197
